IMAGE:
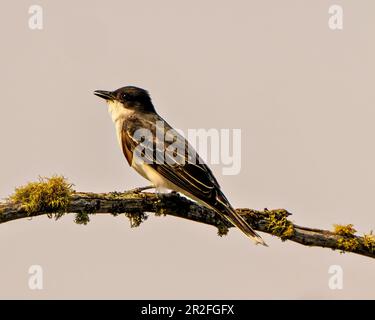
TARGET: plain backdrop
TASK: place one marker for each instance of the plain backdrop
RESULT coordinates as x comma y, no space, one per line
302,94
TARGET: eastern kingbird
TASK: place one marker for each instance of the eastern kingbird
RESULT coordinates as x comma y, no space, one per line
132,112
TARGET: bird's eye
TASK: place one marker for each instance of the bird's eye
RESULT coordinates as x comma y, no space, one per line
124,96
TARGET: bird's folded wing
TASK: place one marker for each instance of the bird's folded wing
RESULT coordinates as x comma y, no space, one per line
183,167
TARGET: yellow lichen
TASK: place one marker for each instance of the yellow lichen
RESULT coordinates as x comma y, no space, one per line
369,241
344,230
348,241
278,224
348,244
50,195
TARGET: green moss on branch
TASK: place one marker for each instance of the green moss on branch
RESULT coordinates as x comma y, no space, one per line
136,218
54,196
50,195
82,218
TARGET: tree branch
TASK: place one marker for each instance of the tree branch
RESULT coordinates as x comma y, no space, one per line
135,205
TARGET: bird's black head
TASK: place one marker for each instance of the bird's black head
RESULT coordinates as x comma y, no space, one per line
130,97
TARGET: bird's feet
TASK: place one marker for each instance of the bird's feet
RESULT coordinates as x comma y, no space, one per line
165,191
140,189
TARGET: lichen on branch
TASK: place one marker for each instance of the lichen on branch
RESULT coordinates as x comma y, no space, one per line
348,241
49,195
278,223
55,196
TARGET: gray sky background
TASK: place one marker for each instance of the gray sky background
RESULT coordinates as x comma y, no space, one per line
302,94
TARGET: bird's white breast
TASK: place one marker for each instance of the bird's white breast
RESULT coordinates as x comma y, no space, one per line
119,115
158,181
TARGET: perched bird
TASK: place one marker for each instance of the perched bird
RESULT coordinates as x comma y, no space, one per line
132,111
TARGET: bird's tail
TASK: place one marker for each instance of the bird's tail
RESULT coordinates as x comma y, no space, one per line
225,209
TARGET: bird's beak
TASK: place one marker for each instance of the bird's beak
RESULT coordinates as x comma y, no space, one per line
107,95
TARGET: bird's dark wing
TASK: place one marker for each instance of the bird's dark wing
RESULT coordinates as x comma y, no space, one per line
184,167
192,175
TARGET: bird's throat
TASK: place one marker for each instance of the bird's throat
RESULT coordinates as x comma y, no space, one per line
117,111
